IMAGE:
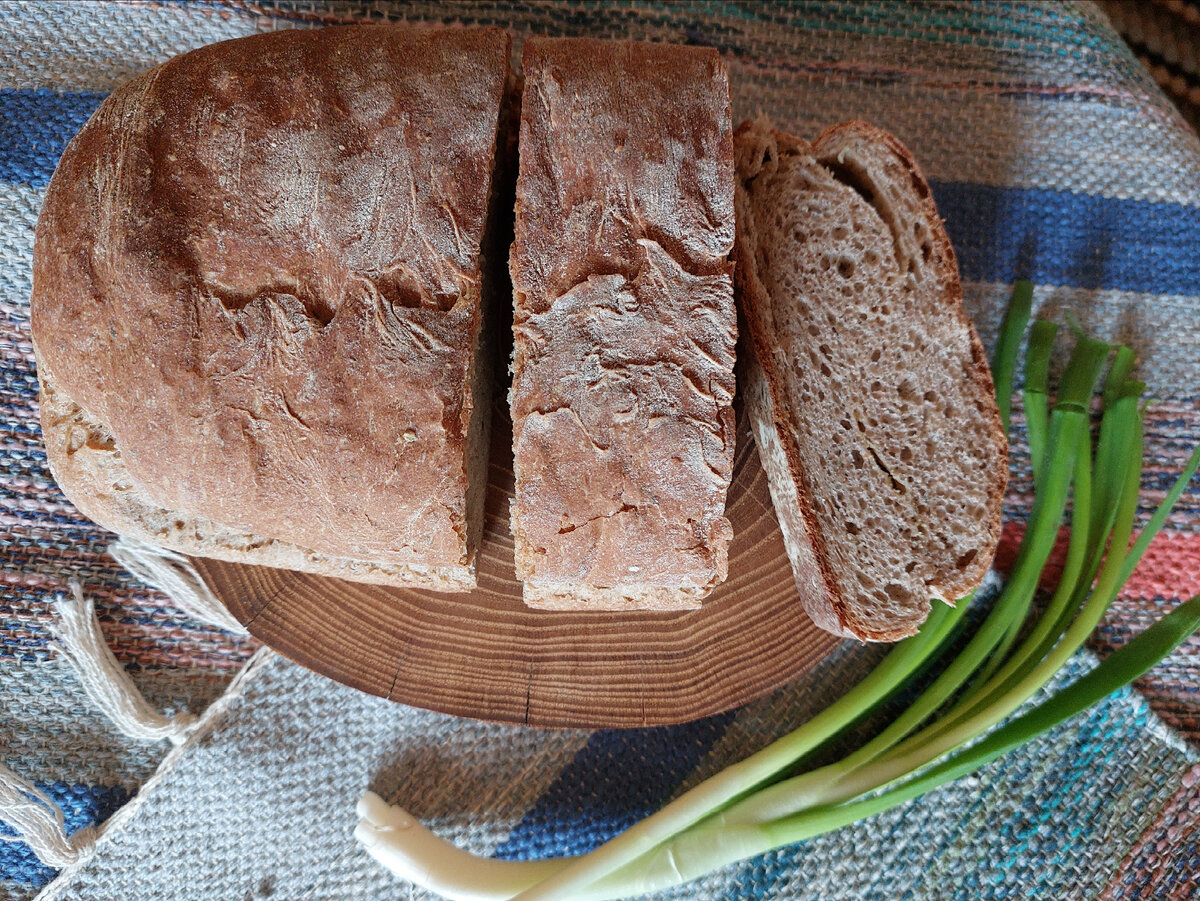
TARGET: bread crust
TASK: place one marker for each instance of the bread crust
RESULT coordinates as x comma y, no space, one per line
775,424
258,270
625,330
88,467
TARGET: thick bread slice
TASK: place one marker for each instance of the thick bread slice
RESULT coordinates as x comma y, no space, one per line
258,303
625,328
870,396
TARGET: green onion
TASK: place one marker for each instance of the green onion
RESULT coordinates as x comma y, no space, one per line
1016,318
956,724
1064,441
697,852
1118,375
1037,389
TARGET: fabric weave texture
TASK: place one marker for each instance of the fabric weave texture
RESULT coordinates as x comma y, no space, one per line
1052,155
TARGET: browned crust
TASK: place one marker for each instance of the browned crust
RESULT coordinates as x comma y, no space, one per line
302,382
830,610
625,327
88,468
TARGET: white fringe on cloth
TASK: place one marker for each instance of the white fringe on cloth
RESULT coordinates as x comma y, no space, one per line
81,644
34,817
38,822
174,575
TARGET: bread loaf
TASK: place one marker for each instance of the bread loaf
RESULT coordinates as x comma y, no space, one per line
257,302
623,431
869,393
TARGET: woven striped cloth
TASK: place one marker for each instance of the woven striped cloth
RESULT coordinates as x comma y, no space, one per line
1052,155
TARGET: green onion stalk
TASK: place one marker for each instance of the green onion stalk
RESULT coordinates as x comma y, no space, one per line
977,707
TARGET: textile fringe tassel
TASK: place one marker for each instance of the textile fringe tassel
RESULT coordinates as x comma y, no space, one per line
32,814
174,575
104,679
38,822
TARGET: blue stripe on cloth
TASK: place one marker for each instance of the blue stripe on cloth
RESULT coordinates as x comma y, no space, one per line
35,127
1058,815
617,778
81,805
1076,240
758,877
999,233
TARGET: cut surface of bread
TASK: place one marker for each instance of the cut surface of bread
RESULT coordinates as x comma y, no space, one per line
624,327
869,393
257,306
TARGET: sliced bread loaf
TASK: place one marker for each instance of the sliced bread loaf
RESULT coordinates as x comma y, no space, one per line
870,396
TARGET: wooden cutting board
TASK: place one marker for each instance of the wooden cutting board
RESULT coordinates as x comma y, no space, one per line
485,655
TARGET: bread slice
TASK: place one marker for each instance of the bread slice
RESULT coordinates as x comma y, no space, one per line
259,298
625,328
869,393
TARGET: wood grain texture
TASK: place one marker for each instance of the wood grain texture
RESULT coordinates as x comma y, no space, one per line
485,655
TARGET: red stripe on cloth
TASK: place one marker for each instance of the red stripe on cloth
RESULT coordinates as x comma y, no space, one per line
151,632
142,628
1170,568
